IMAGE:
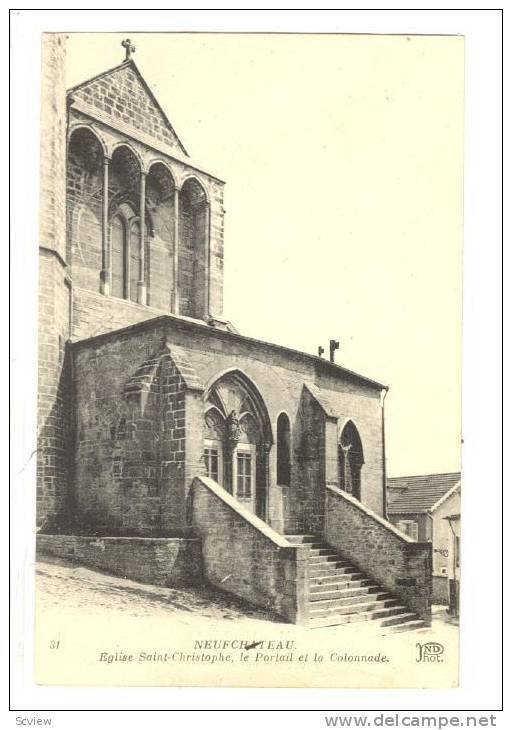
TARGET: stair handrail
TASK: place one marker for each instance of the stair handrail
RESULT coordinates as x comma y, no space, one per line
255,521
381,520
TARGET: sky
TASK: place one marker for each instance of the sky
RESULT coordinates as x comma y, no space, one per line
342,156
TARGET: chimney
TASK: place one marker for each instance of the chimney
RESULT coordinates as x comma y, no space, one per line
333,346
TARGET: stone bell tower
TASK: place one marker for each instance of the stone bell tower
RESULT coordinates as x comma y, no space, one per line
54,399
145,224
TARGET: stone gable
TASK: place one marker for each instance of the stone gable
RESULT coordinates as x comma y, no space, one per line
122,96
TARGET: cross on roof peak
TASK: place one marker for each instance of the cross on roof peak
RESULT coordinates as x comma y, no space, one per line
128,47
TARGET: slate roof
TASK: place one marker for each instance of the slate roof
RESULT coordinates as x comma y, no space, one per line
420,492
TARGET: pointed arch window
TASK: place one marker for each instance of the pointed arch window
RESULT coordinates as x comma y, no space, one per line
125,244
134,261
283,450
350,460
237,439
118,238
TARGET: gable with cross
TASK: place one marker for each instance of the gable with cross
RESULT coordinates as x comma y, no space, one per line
128,47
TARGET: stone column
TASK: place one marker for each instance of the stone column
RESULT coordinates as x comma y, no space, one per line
175,293
266,448
347,475
106,263
141,286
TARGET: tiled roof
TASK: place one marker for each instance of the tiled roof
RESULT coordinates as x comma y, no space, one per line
420,492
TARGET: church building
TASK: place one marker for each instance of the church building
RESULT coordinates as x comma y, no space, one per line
172,448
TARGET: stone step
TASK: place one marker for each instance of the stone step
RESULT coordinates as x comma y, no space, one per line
329,557
313,545
347,589
334,619
344,583
333,572
416,625
331,566
346,597
399,618
326,608
338,593
337,619
316,551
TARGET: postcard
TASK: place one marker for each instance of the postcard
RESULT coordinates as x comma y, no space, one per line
250,271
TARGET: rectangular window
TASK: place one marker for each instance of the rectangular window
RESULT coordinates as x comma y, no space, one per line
410,527
244,476
211,459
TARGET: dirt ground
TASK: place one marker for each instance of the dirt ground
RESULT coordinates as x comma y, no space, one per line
83,616
68,586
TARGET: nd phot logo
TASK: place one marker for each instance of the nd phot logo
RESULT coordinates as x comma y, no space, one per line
430,652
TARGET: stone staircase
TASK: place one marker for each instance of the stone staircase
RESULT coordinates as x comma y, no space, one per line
338,593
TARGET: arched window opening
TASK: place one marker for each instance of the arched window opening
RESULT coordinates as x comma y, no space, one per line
350,460
237,439
134,258
118,237
192,256
125,243
160,202
84,195
283,450
124,208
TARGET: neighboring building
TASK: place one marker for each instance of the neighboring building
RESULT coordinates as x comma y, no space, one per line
453,521
419,506
157,419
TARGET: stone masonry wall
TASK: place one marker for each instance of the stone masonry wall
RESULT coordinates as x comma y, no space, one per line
54,396
137,420
174,483
104,365
280,377
399,564
440,589
95,314
309,481
52,176
85,219
243,556
164,561
117,447
121,96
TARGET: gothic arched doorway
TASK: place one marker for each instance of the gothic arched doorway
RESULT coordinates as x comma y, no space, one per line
350,460
237,439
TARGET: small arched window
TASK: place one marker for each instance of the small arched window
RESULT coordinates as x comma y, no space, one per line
118,238
125,243
350,460
134,258
283,450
